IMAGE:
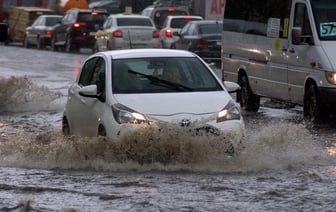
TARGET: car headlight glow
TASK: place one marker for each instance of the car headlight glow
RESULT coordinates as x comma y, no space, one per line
230,112
123,115
331,77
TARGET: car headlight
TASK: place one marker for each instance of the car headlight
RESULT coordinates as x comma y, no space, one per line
331,77
123,115
230,112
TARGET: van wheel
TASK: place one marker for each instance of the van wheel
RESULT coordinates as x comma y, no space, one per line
65,127
313,109
248,101
101,131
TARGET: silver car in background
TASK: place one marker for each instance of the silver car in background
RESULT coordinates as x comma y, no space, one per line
125,31
172,25
39,33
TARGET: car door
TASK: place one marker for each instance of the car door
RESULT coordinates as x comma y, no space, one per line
184,36
300,55
85,111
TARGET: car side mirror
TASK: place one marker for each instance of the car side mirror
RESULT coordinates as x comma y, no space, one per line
231,87
88,91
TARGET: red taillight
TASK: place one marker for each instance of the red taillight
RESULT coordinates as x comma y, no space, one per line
156,34
171,9
168,33
202,42
78,24
47,32
94,13
117,33
187,18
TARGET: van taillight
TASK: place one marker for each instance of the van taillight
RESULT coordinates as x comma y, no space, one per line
202,42
79,24
156,34
168,33
117,33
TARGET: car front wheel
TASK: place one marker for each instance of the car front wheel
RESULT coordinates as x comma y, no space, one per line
65,127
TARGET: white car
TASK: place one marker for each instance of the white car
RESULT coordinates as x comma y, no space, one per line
126,31
174,24
119,91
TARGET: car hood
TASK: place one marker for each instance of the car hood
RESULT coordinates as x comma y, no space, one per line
171,105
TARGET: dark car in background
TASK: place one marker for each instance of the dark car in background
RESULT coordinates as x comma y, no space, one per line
39,33
77,29
159,14
201,37
111,6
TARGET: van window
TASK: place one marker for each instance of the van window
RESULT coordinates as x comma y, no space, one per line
301,18
254,16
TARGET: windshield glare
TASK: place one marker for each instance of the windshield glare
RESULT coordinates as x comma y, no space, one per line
162,75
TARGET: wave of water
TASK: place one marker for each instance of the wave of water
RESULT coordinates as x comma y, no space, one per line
277,145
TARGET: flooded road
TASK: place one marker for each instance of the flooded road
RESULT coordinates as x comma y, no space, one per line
286,164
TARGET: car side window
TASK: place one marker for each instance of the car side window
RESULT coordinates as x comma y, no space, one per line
93,73
87,72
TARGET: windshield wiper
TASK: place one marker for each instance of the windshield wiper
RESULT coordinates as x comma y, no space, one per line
155,79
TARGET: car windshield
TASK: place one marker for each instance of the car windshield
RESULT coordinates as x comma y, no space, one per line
92,18
181,22
162,75
325,18
134,22
161,15
51,21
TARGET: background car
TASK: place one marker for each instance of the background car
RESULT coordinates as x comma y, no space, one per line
39,33
172,25
121,91
111,6
201,37
125,31
77,29
159,14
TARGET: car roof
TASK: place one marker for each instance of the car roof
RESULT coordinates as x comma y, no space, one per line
183,16
128,15
145,53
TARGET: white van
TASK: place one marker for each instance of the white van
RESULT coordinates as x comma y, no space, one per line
283,50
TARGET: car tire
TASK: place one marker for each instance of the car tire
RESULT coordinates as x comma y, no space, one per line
25,42
101,131
39,44
68,46
95,48
248,101
52,44
313,108
65,127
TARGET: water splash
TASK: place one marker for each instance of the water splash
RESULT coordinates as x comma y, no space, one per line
20,94
276,146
